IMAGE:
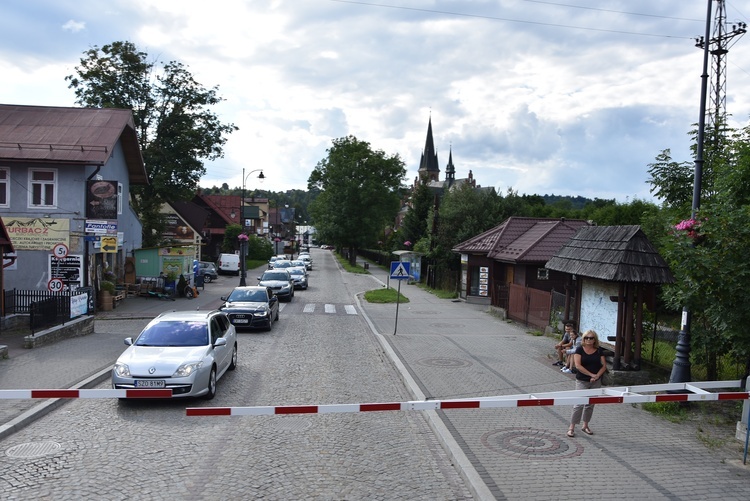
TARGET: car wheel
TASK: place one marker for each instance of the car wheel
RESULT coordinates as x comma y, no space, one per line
233,363
277,316
211,384
207,279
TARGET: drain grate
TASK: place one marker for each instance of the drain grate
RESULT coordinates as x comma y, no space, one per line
33,450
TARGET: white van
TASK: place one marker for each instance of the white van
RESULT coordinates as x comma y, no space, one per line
228,264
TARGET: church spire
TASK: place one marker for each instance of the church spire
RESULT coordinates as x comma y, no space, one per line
450,170
429,169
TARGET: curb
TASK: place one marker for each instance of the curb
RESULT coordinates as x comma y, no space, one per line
31,415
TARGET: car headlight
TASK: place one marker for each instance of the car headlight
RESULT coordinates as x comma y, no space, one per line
121,370
261,313
186,370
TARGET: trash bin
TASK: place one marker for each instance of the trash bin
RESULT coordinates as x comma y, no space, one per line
367,266
200,281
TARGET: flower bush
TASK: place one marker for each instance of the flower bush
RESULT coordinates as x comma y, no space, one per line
691,227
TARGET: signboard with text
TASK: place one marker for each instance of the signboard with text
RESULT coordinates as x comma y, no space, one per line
101,227
37,233
68,269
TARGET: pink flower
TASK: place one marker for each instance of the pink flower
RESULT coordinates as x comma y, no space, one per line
407,243
242,237
687,224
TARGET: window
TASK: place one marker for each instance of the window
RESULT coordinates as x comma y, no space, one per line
119,198
4,188
542,274
42,188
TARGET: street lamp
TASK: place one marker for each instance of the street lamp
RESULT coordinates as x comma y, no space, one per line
242,236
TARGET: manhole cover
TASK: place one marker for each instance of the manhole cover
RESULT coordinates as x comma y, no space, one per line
528,443
33,450
448,363
291,424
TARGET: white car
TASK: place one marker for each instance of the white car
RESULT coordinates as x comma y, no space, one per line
185,351
305,258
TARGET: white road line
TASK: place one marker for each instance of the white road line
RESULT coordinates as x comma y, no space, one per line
330,308
350,309
309,308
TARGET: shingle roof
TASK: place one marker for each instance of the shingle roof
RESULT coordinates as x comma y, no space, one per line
522,239
73,136
613,253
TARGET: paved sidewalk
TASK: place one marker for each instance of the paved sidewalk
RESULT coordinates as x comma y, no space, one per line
450,349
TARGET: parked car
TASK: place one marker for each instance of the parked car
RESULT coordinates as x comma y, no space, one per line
185,351
299,277
228,264
251,307
208,270
280,282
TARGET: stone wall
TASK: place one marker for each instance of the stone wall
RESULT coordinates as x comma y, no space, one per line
82,326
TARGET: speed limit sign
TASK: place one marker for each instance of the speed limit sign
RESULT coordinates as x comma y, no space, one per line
55,285
60,251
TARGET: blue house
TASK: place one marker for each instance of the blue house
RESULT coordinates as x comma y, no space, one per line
65,178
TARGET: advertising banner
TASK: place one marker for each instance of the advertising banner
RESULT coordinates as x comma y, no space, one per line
101,200
36,233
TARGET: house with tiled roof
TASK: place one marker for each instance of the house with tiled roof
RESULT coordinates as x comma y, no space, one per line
65,178
505,265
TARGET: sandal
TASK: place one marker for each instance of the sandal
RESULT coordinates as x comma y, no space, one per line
587,431
571,433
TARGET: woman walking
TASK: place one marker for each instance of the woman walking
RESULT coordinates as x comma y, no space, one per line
591,364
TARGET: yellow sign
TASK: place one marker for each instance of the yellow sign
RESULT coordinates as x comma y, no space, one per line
109,244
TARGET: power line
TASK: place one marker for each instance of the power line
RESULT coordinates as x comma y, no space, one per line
510,20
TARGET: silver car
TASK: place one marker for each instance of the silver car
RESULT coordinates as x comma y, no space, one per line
185,351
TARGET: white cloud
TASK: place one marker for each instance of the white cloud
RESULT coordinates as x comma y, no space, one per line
523,99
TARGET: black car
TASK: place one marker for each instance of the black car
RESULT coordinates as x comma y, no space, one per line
280,282
208,270
251,307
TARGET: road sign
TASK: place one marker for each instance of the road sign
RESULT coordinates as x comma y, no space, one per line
109,244
101,227
55,285
400,270
60,251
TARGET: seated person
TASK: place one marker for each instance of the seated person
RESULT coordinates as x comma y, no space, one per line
568,367
564,344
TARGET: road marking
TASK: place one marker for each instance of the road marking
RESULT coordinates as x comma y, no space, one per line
330,308
309,308
350,309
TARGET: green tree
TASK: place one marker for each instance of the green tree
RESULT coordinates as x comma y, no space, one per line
176,129
415,225
708,255
359,194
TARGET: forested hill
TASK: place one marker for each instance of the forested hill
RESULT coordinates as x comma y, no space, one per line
575,202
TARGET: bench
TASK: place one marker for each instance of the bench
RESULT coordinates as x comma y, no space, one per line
116,298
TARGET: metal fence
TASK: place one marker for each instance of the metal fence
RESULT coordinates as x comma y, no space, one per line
44,308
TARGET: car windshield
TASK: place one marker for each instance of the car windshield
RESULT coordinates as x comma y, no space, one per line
296,271
275,276
174,333
254,296
282,264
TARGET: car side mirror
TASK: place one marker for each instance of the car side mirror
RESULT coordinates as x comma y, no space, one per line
220,342
129,341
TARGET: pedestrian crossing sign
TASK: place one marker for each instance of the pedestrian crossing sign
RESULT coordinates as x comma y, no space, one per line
400,270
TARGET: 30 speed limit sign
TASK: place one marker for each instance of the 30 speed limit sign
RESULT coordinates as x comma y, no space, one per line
60,251
55,285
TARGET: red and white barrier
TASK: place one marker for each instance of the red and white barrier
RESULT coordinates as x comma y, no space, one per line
687,392
103,393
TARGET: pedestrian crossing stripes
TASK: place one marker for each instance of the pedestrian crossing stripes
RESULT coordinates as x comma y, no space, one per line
329,309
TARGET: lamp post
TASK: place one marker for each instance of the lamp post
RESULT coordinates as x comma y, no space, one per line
242,237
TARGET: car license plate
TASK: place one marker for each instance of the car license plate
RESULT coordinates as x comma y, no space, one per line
240,320
149,383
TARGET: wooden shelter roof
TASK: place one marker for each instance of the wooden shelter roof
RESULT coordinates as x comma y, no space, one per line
612,253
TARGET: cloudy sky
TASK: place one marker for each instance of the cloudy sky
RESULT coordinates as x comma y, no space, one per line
566,97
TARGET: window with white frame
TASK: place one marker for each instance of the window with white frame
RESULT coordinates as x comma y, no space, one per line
43,188
4,187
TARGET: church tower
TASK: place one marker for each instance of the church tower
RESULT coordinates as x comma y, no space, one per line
450,170
429,169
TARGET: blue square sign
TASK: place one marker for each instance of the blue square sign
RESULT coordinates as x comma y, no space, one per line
400,270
